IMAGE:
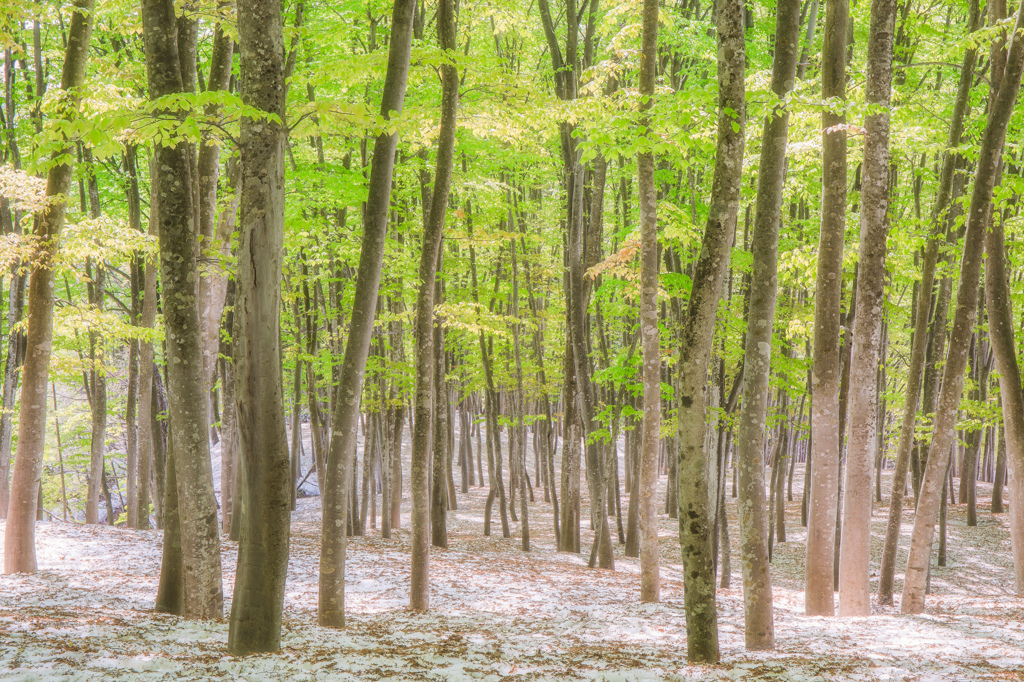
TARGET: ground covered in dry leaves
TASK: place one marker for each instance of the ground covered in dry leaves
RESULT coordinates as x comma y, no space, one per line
498,613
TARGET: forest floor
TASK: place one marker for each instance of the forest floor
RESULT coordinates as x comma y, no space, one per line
499,613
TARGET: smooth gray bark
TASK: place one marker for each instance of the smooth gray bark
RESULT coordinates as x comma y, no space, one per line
825,433
695,502
989,160
855,545
345,419
759,627
650,580
19,537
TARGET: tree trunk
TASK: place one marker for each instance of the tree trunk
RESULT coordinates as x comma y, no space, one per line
229,440
650,580
146,433
130,160
1001,333
346,412
19,539
186,391
989,160
97,397
210,288
825,433
12,365
695,522
916,367
519,396
633,443
426,373
158,407
855,552
395,484
170,595
438,458
255,624
754,550
1000,474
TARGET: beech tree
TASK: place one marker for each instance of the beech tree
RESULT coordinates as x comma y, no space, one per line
426,373
189,456
696,336
263,543
978,216
346,413
649,554
826,434
19,536
855,552
757,586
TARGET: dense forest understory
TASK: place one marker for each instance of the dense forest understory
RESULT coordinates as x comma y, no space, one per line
500,613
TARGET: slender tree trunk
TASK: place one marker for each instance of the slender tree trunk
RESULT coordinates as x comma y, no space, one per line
812,23
519,396
12,365
426,372
439,435
230,489
695,522
130,160
1000,474
170,595
855,552
754,550
97,387
186,391
146,434
1001,333
346,412
632,455
15,295
916,367
19,538
210,287
158,407
823,502
97,394
650,580
396,468
989,160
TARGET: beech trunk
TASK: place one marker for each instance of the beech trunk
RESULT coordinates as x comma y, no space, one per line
19,538
989,161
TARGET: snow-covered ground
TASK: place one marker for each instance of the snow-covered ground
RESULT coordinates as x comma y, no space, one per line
497,613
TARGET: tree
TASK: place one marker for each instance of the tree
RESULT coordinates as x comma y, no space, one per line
915,369
650,584
989,160
19,538
825,433
263,545
757,586
695,521
186,394
331,607
426,376
855,546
